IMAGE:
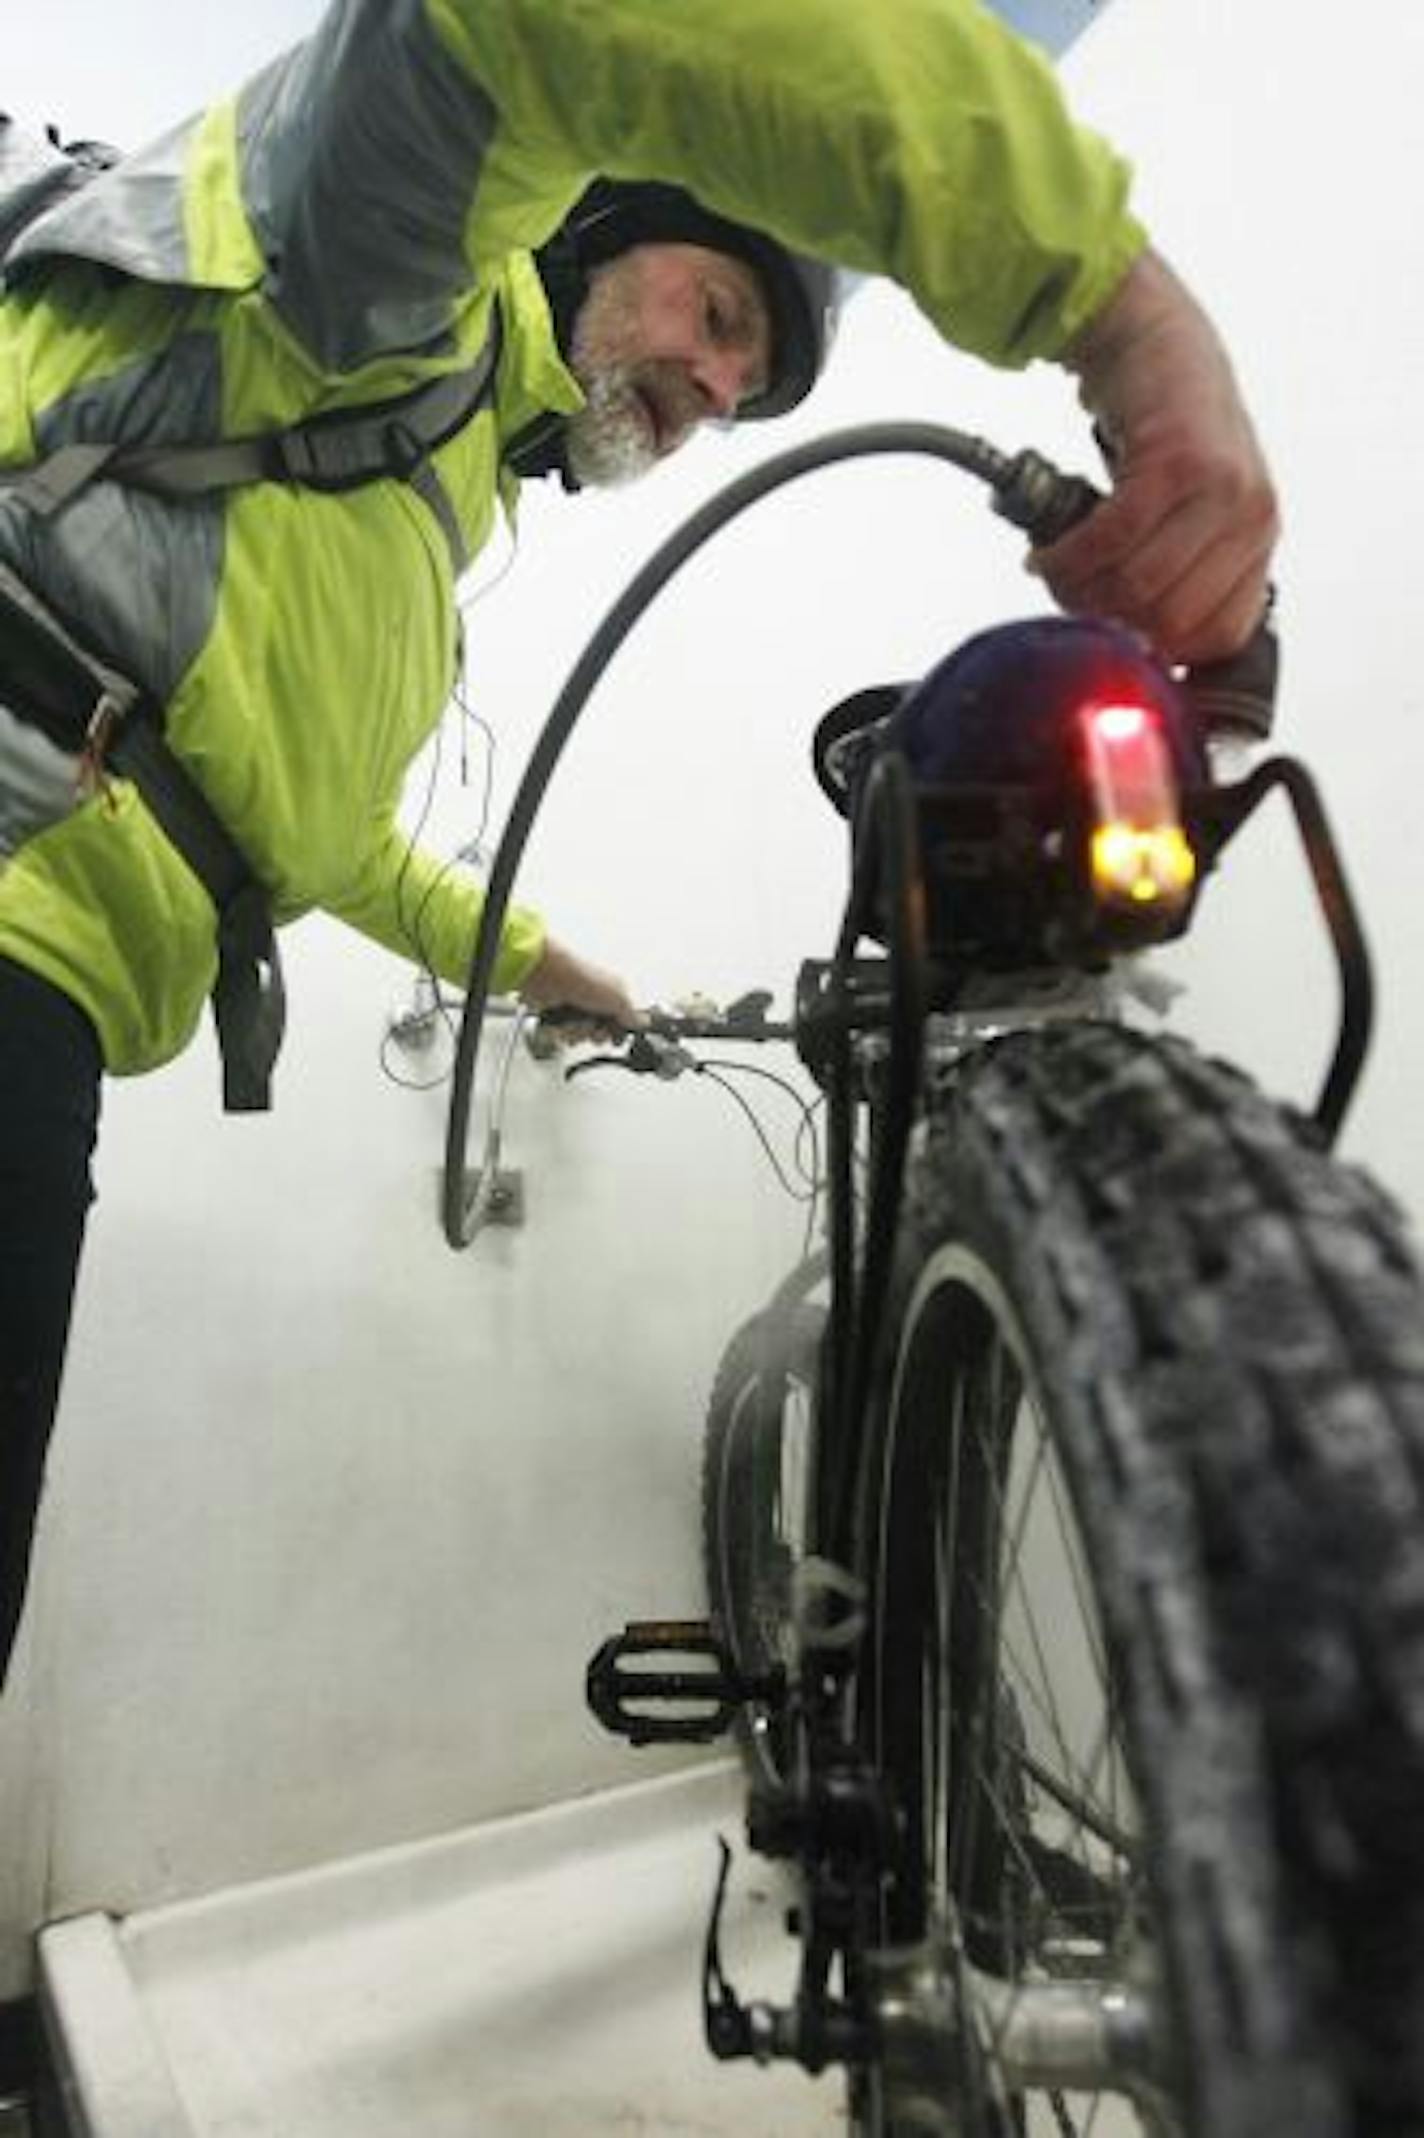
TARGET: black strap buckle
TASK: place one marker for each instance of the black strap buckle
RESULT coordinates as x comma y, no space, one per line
249,1001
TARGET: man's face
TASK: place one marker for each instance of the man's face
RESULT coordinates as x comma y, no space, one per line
669,336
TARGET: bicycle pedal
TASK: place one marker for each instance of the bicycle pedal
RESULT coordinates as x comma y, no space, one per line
620,1687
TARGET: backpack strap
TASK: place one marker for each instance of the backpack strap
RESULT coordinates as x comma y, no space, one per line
341,449
51,680
249,995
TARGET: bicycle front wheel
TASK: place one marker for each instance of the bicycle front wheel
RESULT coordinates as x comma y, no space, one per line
1145,1653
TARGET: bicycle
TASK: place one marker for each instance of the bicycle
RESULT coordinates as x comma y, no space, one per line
1062,1518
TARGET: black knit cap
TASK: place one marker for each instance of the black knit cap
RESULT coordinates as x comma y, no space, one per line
614,215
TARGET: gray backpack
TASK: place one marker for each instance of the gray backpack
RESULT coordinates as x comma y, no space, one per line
51,680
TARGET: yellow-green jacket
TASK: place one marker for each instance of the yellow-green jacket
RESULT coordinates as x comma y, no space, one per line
336,233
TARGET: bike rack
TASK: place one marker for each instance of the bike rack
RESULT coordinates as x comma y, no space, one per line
1217,820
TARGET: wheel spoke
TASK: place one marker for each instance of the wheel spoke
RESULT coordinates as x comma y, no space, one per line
1080,1807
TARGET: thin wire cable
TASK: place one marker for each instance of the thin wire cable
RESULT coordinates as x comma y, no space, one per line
811,1180
809,1132
443,1006
499,1096
408,922
770,1076
411,924
469,847
391,1039
487,1176
797,1195
809,1128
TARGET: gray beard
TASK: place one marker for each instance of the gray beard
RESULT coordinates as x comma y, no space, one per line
607,439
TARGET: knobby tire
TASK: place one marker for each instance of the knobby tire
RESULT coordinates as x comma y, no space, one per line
1132,1293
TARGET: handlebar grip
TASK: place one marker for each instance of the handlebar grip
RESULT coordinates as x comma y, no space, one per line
1237,696
563,1013
542,1039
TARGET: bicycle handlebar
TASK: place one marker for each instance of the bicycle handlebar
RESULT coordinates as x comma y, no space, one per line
657,1047
745,1019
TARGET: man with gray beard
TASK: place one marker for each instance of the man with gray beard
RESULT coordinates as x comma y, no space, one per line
269,382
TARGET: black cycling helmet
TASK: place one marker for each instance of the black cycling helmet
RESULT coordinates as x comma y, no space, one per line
616,214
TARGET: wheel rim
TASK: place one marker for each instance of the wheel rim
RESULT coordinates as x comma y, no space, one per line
1019,1861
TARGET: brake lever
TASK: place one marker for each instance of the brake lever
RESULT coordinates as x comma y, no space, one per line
649,1054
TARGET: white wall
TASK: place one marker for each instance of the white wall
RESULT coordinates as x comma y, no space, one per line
1275,163
336,1515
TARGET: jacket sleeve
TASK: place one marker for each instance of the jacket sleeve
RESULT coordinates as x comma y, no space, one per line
915,138
428,910
410,142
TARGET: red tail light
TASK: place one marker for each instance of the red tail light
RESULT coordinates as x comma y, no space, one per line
1138,852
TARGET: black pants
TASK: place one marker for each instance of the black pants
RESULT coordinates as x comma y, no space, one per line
50,1070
